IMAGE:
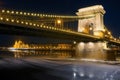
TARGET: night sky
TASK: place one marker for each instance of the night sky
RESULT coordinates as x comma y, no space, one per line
63,7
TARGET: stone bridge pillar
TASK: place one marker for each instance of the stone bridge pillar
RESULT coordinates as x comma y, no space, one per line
91,21
94,50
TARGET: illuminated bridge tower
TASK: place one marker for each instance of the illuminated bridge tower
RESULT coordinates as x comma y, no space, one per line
92,20
92,23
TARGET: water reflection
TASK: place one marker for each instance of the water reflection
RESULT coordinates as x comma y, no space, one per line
51,54
66,70
96,72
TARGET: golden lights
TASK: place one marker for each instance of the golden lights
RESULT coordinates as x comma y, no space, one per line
59,21
36,14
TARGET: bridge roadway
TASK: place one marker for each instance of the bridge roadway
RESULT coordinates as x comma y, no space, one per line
45,32
17,23
21,29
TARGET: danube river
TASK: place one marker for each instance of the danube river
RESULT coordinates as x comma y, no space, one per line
41,65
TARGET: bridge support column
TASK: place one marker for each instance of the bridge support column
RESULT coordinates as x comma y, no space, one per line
94,50
92,20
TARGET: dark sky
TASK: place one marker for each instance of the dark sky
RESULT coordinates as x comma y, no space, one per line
70,7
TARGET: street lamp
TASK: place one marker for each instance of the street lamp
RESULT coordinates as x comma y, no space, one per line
58,23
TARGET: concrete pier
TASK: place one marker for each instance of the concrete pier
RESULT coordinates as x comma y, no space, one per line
94,50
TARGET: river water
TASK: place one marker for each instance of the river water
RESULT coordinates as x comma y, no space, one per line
53,65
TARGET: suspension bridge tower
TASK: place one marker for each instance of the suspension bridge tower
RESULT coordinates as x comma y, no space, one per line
92,22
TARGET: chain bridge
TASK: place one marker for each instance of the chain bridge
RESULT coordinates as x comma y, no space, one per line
87,27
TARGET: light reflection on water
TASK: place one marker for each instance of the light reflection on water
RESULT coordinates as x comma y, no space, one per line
96,72
50,54
79,71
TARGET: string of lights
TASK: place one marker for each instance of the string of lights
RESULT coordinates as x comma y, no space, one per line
31,23
40,15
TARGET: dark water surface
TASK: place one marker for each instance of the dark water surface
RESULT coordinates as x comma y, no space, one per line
39,66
